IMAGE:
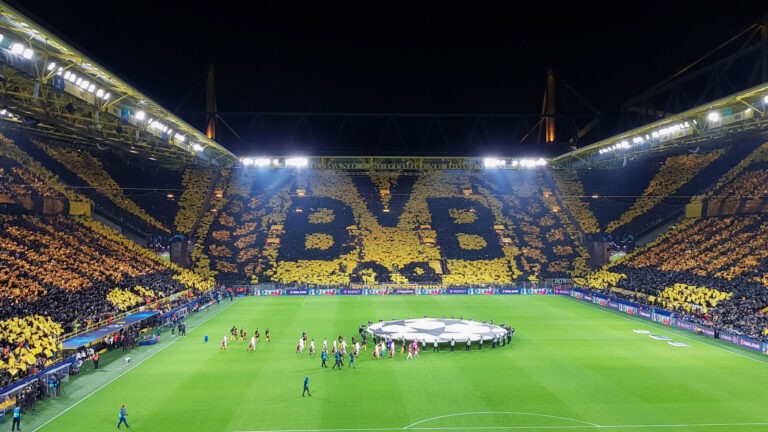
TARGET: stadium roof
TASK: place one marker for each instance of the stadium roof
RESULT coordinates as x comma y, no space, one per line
53,90
734,116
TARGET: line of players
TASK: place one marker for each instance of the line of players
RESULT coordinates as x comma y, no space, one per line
382,346
337,345
385,346
338,349
242,335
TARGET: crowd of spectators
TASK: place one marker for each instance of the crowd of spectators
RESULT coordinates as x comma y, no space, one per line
59,275
195,183
675,172
646,193
28,343
89,168
571,192
24,176
497,230
140,195
712,270
325,227
17,182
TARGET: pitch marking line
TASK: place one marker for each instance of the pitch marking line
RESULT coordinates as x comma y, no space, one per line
608,427
501,412
126,371
584,426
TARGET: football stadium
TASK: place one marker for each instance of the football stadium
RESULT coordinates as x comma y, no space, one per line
151,278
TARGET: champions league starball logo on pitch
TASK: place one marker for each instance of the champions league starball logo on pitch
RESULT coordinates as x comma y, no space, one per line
429,329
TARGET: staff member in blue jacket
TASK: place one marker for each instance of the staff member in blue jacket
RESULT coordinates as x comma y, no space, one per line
16,418
122,417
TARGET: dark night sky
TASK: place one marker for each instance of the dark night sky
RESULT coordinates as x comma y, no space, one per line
404,57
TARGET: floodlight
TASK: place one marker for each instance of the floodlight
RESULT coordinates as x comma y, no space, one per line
51,66
713,116
99,92
261,162
91,88
28,53
247,161
298,162
140,115
493,162
197,147
107,95
17,48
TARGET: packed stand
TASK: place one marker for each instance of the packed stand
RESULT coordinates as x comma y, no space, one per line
454,228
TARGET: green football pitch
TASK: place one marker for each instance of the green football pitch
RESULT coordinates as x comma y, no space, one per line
571,366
